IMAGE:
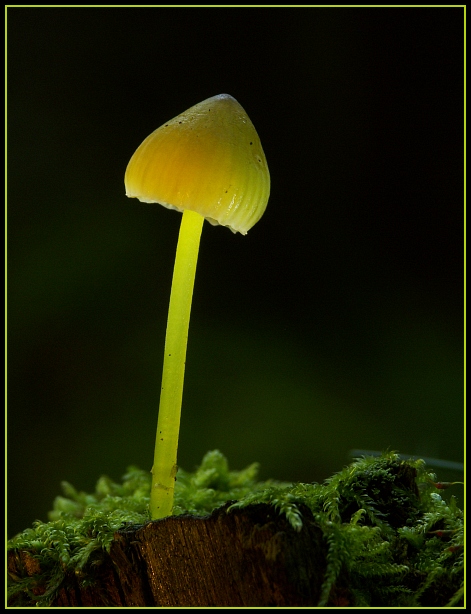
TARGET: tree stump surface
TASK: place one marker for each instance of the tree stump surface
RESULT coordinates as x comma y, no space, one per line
253,557
248,557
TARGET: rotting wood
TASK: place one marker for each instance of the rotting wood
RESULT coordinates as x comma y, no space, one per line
248,557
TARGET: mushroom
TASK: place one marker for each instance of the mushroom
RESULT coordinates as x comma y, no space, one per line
209,164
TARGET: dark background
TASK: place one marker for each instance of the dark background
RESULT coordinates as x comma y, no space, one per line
335,324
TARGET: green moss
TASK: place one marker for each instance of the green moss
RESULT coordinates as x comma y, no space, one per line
389,533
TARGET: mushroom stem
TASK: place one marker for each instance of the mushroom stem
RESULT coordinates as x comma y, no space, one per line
168,425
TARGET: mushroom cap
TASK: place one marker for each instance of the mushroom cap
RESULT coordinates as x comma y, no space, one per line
208,159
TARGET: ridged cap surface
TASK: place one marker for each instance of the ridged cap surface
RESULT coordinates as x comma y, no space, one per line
208,159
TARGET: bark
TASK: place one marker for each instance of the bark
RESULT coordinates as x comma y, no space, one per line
248,557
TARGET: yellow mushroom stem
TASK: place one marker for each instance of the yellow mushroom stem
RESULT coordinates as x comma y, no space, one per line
166,444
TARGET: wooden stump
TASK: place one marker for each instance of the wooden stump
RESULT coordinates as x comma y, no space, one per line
248,557
380,552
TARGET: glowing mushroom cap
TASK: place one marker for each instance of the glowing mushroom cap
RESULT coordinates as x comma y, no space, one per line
208,159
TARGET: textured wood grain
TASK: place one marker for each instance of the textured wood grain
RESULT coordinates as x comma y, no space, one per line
248,557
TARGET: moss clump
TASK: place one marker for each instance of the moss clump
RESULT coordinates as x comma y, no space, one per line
391,538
